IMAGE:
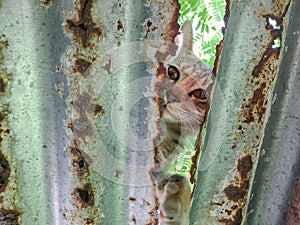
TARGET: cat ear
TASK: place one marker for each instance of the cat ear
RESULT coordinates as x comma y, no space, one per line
187,31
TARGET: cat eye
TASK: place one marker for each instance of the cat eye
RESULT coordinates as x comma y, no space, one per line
173,73
199,94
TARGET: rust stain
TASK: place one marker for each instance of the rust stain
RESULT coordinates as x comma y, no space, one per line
83,27
4,172
88,221
85,195
8,217
264,72
120,26
81,66
132,199
235,220
133,220
234,193
244,166
84,106
4,111
80,163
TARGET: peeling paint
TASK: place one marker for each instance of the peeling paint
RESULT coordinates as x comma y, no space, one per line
83,27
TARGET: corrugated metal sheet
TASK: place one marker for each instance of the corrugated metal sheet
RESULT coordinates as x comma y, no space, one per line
251,149
74,83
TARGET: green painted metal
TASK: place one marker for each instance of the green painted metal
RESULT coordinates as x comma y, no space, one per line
76,148
278,166
241,105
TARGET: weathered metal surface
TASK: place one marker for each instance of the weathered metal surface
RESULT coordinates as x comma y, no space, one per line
75,92
247,73
278,165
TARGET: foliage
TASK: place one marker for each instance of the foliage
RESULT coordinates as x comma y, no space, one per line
207,19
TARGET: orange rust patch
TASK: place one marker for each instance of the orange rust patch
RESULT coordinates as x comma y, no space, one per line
83,28
244,166
84,196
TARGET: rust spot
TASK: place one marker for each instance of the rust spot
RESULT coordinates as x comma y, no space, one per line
234,193
79,162
4,172
83,27
234,207
120,26
84,196
133,220
9,217
132,199
236,220
244,166
99,109
46,3
88,221
81,65
3,85
217,203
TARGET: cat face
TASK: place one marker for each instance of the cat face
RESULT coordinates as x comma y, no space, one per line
184,93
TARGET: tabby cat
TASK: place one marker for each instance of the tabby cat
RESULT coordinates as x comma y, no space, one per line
173,193
183,92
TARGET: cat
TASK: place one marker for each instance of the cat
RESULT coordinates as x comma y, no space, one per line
183,93
173,193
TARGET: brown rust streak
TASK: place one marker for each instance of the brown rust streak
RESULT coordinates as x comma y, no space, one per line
83,27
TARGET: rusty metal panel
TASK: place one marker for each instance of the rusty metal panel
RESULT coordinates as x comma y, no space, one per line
236,135
278,166
75,90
